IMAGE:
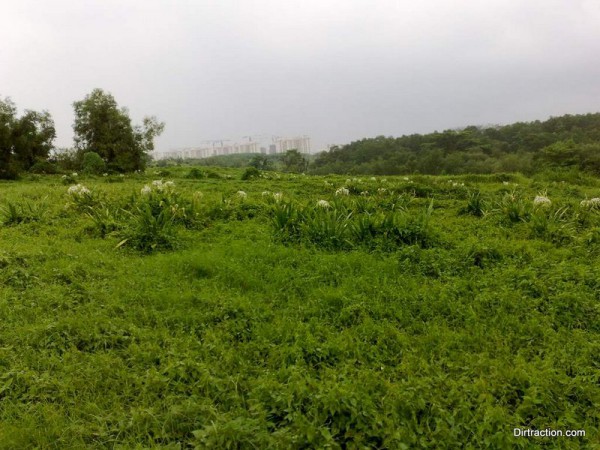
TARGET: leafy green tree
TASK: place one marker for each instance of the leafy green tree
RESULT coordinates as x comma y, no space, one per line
33,134
293,161
24,140
104,128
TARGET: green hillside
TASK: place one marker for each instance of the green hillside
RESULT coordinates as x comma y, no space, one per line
527,147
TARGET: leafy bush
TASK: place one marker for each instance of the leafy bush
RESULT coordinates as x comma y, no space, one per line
195,174
251,173
44,167
93,163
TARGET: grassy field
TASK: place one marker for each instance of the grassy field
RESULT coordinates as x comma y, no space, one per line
298,312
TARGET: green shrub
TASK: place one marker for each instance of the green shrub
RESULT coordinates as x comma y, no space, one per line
195,174
251,173
44,167
93,163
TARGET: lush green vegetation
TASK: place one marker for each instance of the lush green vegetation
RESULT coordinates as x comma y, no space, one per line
566,141
190,308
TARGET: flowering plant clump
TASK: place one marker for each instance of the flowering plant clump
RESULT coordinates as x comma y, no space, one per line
342,191
241,194
79,190
323,204
542,200
278,196
365,193
158,186
266,193
381,190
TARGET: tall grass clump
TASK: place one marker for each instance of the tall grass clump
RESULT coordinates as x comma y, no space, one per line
151,220
475,206
17,213
512,208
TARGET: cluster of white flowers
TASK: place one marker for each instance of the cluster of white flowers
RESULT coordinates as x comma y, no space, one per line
323,204
278,196
541,200
406,179
266,193
158,185
241,194
455,183
74,174
105,174
381,190
78,190
342,191
373,179
591,203
384,180
364,193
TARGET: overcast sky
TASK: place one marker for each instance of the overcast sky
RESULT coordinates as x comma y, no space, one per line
336,70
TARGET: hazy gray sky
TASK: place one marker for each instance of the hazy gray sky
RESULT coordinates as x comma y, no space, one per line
337,70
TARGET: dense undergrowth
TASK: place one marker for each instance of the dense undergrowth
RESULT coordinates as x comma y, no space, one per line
167,311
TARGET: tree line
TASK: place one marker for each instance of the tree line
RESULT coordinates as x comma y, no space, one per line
105,139
570,141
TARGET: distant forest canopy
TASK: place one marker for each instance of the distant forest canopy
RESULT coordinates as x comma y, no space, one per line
569,141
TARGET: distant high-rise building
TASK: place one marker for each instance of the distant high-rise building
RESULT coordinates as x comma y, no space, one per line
301,143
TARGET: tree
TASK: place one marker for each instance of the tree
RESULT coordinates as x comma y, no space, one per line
24,140
293,161
33,134
104,128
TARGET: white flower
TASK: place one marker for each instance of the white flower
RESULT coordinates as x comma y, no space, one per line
64,177
406,179
323,204
78,190
373,179
542,200
158,184
348,180
266,193
146,190
364,193
381,190
342,191
241,194
505,183
74,174
384,180
121,175
591,203
278,196
169,184
104,174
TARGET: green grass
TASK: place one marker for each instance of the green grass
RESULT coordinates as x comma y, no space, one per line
210,327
